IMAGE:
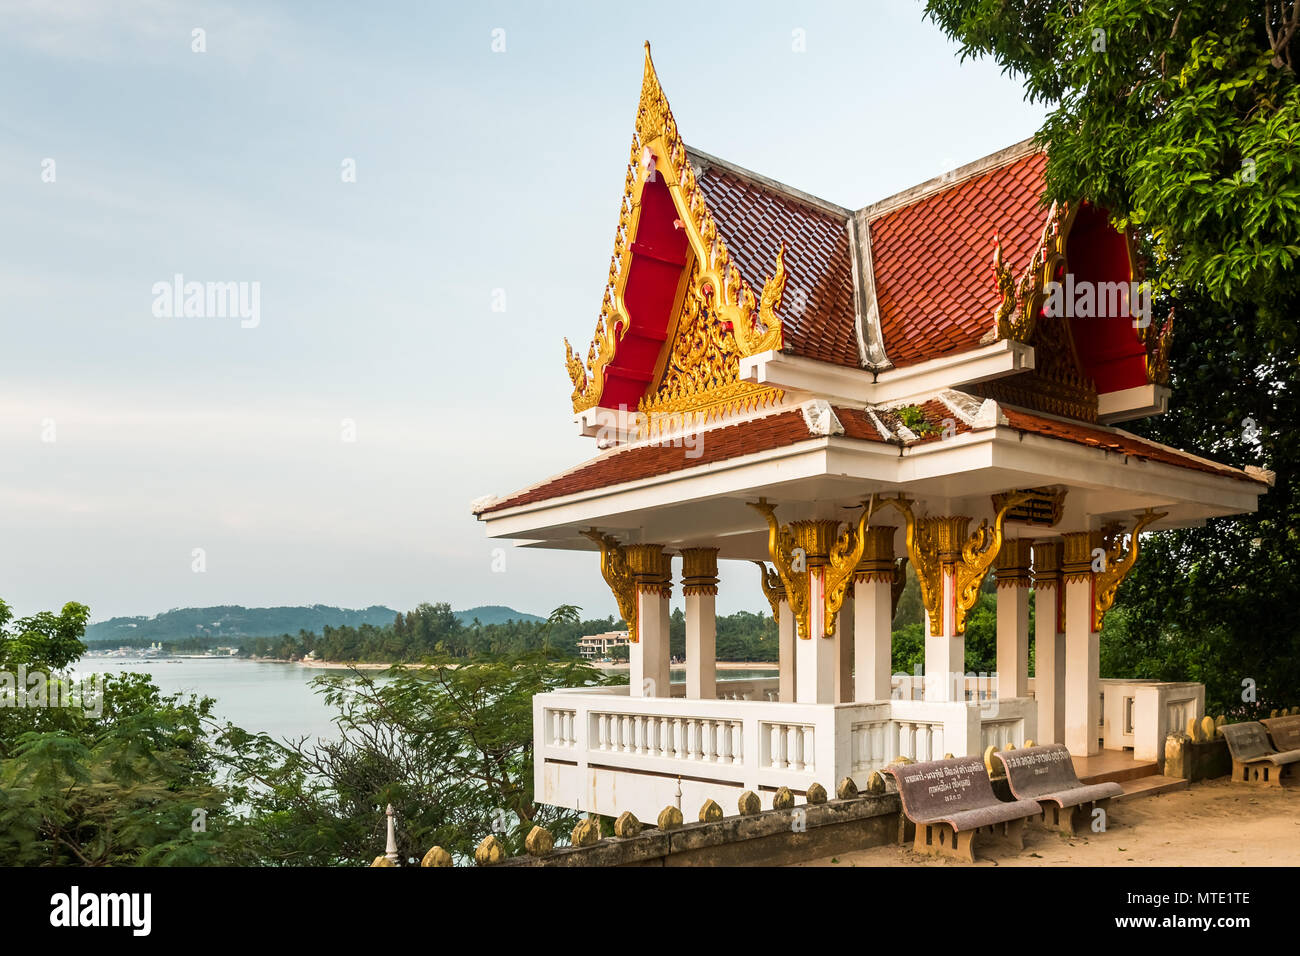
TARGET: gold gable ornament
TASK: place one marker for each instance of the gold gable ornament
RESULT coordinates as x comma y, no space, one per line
658,149
701,376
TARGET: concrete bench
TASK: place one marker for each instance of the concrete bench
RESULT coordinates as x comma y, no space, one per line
952,801
1046,774
1253,758
1285,732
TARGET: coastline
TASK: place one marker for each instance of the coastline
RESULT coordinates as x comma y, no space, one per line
372,666
720,665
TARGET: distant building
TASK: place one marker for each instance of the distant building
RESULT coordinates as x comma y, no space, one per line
596,646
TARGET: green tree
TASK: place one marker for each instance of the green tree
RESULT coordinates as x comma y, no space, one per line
448,744
1183,121
115,780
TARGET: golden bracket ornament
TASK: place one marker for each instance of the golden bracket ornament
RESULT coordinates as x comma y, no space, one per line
780,548
773,589
614,568
929,571
977,556
1118,565
936,543
842,563
896,586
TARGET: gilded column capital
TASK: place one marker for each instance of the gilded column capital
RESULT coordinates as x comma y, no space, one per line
816,538
1047,563
877,562
1011,567
1077,554
652,569
699,570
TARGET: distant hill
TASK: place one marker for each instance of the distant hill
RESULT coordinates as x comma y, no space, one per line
234,621
495,614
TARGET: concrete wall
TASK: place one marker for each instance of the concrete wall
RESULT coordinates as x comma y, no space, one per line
770,838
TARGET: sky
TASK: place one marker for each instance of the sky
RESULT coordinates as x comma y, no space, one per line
422,219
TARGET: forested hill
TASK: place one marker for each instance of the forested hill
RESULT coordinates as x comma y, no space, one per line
495,614
232,621
236,622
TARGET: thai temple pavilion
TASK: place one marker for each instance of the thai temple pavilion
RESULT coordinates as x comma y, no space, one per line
829,393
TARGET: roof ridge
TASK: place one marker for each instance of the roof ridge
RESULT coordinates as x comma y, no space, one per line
700,158
949,180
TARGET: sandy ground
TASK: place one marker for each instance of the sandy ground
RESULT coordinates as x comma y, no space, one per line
1214,823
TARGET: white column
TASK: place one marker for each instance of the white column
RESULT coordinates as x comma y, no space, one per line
1013,641
649,675
1049,665
872,638
1012,571
701,646
786,656
1082,648
844,641
700,587
815,654
654,679
945,653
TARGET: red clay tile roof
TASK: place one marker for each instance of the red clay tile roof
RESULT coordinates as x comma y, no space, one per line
789,428
933,258
817,312
1112,441
645,461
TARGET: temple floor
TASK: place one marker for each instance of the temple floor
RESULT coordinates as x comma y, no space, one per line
1212,823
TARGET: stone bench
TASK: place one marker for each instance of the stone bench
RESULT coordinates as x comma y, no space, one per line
952,801
1254,760
1285,732
1046,775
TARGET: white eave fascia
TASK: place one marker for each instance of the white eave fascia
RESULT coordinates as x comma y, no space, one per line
841,385
1129,403
1183,485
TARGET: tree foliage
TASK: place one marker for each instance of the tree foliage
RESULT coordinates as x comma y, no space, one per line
1183,120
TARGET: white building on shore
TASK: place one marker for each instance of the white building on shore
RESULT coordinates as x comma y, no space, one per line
595,647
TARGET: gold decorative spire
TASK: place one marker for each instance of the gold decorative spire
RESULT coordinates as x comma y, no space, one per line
658,150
